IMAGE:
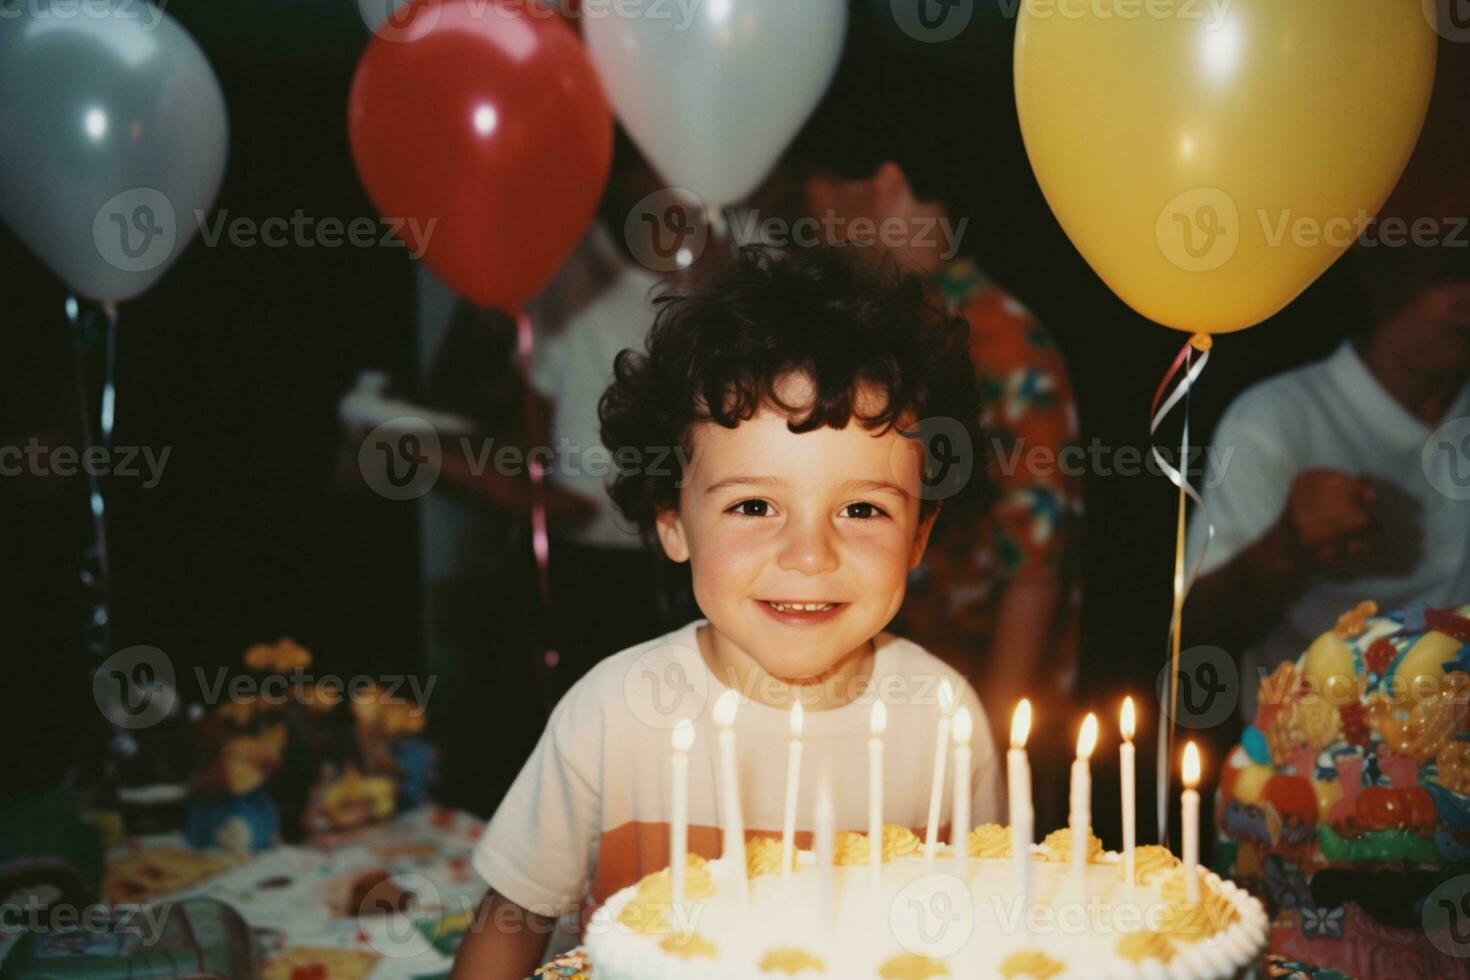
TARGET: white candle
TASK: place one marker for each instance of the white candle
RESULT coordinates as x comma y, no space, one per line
734,850
959,831
877,726
683,740
793,783
824,844
1018,786
1189,806
941,755
1126,762
1081,808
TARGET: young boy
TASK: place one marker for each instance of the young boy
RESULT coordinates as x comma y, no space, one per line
784,384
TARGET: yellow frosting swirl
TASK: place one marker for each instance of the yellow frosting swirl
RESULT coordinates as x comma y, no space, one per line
1150,861
1058,846
898,842
912,966
788,959
763,857
990,840
1146,945
850,847
689,945
1030,963
650,911
1211,914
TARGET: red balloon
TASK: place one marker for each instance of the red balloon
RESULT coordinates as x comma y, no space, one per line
483,130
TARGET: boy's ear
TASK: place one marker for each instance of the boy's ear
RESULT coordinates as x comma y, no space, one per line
921,535
671,535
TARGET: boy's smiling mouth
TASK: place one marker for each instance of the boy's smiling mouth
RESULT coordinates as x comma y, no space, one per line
801,612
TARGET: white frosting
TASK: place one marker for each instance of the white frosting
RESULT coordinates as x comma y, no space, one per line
921,908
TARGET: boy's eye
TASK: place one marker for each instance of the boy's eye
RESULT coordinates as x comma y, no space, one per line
751,508
864,511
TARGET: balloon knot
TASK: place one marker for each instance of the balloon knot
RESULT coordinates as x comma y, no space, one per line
1201,342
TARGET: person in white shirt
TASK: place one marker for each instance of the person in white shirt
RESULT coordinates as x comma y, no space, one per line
792,383
1335,483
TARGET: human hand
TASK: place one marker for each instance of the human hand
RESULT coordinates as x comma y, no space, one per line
1329,518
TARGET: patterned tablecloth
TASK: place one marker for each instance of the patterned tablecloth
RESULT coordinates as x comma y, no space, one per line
386,903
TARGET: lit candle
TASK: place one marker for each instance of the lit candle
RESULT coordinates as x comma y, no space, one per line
1018,784
1190,818
941,754
1081,815
734,850
793,781
824,844
959,831
877,726
1127,725
683,740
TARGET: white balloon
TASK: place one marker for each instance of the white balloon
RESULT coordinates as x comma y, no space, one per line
713,92
113,139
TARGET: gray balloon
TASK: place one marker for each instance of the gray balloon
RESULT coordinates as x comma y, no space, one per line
113,139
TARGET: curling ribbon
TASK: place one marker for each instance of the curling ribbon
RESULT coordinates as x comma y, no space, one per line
96,570
1162,405
540,541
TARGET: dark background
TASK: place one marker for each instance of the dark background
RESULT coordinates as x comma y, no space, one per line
237,357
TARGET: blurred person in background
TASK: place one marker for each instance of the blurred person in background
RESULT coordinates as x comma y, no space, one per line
881,165
1342,480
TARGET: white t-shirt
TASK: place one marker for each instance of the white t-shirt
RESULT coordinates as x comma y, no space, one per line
572,365
588,815
1333,414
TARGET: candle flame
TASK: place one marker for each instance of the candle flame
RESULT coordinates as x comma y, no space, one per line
1191,765
683,736
879,723
946,696
1087,737
725,709
1128,723
1021,724
797,719
962,727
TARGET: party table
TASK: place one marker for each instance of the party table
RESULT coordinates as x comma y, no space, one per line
388,902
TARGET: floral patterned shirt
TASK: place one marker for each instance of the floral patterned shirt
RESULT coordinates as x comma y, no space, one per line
1031,529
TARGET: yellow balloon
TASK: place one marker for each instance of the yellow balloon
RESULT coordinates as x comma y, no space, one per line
1211,158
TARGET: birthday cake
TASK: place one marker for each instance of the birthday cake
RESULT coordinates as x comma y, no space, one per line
1346,806
921,918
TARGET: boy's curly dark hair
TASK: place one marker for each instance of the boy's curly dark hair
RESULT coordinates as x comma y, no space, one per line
719,346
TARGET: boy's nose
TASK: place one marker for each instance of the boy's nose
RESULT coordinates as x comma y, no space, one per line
807,548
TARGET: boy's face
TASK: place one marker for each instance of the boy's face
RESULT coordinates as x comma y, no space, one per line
769,517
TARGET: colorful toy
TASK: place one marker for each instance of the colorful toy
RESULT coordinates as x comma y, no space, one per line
1348,799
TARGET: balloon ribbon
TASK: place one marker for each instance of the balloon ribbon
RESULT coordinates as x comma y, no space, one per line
1186,369
90,338
540,540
